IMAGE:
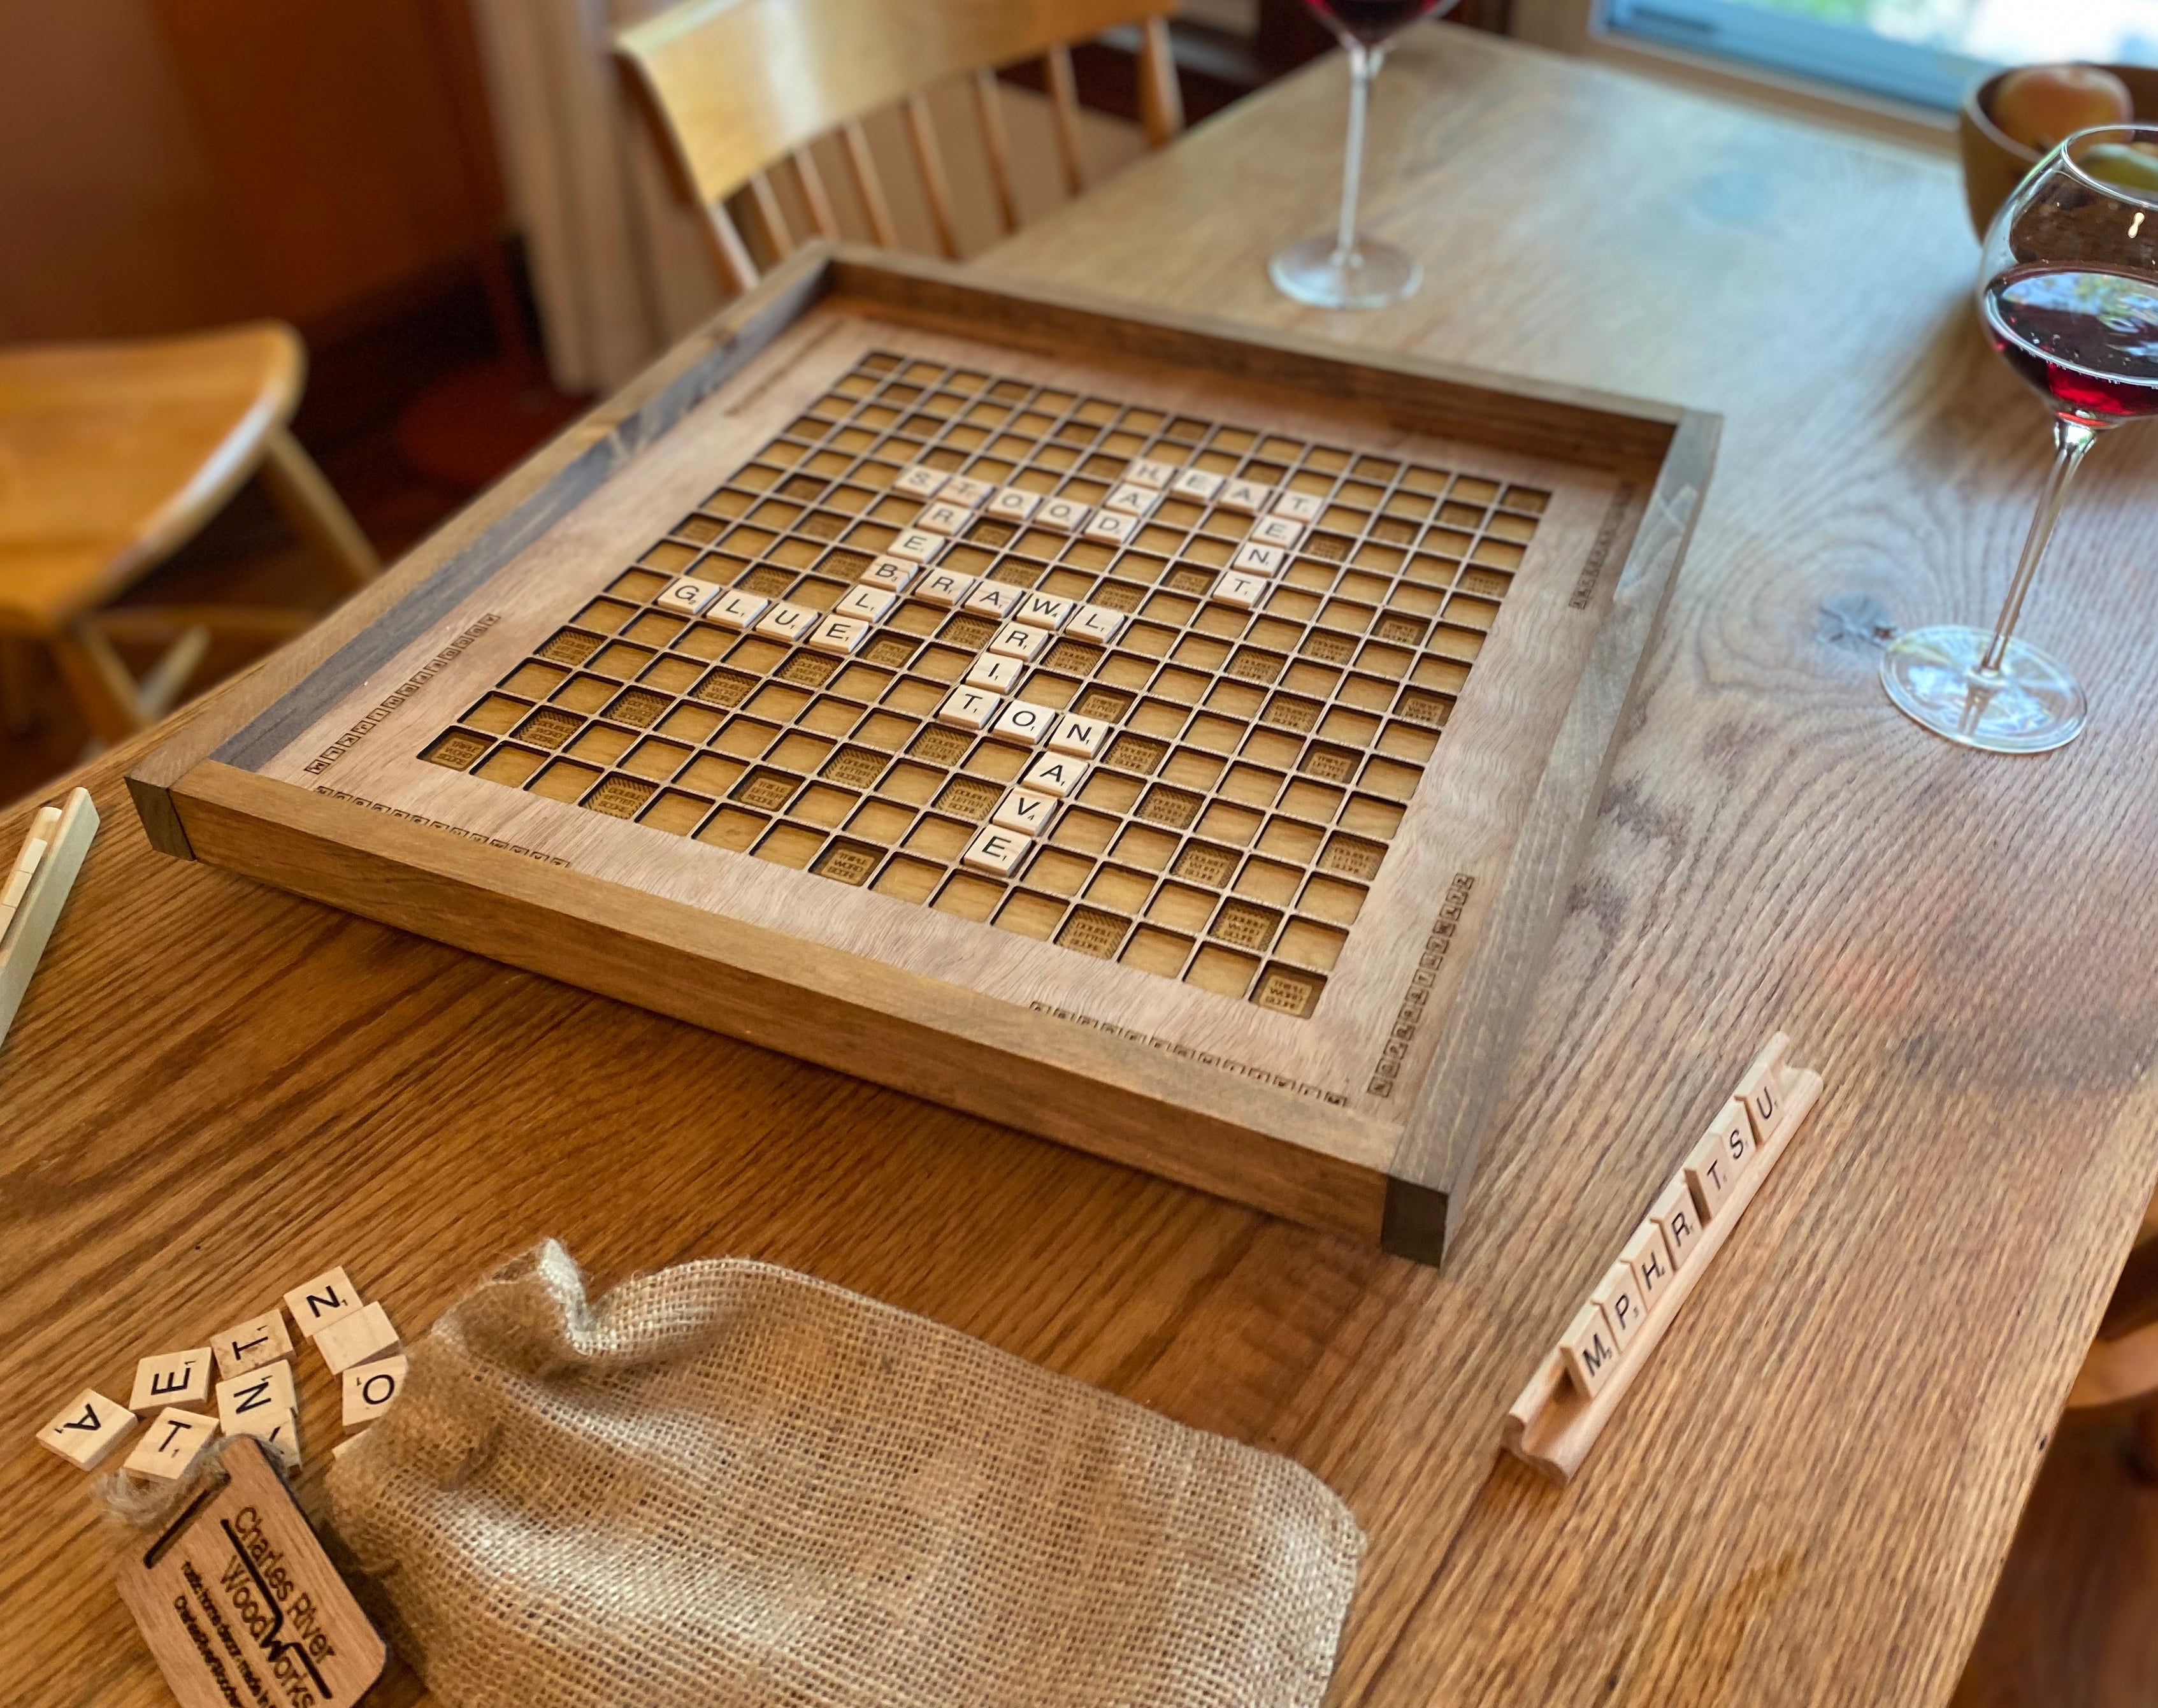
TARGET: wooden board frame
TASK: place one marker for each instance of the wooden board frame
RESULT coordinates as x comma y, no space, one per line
200,796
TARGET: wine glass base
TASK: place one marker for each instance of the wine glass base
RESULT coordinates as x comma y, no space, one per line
1370,276
2032,706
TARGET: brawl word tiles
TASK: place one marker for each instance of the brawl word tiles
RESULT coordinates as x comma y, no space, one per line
1659,1265
89,1430
1240,648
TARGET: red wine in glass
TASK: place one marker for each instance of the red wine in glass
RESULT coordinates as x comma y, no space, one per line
1372,21
2085,338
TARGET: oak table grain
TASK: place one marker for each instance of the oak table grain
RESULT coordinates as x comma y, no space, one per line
215,1090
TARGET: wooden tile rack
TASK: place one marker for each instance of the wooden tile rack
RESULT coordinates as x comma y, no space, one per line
1556,1420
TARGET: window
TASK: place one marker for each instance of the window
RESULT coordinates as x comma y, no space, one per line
1924,51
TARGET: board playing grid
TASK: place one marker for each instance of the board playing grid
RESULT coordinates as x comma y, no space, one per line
1155,687
1167,740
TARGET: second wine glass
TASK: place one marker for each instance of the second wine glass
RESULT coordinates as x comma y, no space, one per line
1342,270
2068,292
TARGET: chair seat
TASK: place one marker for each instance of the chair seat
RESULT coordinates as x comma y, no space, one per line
112,455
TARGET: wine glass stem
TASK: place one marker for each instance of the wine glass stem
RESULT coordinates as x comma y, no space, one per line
2071,438
1363,66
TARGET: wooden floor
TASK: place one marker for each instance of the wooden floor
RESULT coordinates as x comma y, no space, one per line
2074,1622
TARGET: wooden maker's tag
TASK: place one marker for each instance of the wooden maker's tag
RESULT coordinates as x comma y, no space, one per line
241,1606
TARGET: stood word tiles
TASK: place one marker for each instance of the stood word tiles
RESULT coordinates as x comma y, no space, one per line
1166,710
1558,1415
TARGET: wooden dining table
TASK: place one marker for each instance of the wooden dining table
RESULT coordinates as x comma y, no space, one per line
215,1090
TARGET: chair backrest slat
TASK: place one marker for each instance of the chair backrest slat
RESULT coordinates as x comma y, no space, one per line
1064,108
869,186
1161,102
935,182
814,196
766,201
996,147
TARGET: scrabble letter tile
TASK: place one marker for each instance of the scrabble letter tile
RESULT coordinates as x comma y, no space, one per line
737,609
88,1429
994,599
969,708
363,1335
1064,514
1054,774
995,851
1132,498
1762,1089
1646,1256
171,1379
942,517
863,603
1246,496
1151,471
917,545
1022,720
1097,623
688,594
245,1401
1045,610
1197,485
837,634
1299,507
1258,558
787,623
945,587
891,574
1082,737
1713,1166
1677,1221
254,1342
1589,1349
1014,505
961,490
1239,589
919,479
995,671
368,1389
1026,813
171,1444
1623,1306
314,1305
1113,526
1278,530
1016,640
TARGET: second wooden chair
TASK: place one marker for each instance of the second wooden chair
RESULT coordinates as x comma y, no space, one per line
736,88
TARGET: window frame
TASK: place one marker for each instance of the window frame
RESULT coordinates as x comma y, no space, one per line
1577,27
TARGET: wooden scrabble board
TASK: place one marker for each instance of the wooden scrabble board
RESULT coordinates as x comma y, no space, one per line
1174,741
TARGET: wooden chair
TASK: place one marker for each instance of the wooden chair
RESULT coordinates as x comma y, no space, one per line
111,456
735,88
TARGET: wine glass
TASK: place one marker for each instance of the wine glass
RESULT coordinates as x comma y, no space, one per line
2069,293
1340,270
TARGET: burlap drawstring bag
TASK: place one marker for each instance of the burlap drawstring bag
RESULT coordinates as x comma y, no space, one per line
728,1485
